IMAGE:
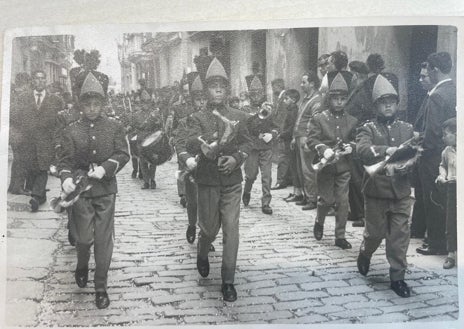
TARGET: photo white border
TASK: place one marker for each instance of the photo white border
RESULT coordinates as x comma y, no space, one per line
222,26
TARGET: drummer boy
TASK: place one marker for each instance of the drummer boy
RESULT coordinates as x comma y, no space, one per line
95,144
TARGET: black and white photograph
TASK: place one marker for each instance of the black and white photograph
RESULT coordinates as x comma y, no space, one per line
231,175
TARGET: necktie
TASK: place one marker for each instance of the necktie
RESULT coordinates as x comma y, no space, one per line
38,99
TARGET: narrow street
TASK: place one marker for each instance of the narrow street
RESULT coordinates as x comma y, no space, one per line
284,275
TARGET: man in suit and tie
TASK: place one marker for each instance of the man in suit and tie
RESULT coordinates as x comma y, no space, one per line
38,110
439,107
418,214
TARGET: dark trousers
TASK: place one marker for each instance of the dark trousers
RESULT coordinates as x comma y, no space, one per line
306,173
259,160
451,214
191,195
294,168
93,223
388,218
220,206
181,184
18,168
38,181
148,170
333,192
433,201
355,195
284,172
418,227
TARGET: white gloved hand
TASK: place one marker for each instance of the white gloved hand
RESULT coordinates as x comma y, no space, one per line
191,163
267,137
97,173
348,149
328,153
68,185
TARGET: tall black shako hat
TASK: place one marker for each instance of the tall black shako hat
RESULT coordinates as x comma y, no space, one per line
91,83
216,71
339,82
385,84
254,82
195,84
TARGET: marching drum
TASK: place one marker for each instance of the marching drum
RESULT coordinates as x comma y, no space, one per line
155,148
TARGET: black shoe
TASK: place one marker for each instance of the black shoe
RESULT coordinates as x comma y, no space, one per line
134,173
211,248
342,243
203,266
191,233
291,195
430,251
34,202
358,223
101,299
145,186
183,201
363,264
267,210
310,206
278,186
246,198
152,184
449,263
318,231
81,276
295,198
228,292
400,288
71,239
303,202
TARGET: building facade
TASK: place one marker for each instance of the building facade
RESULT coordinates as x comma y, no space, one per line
287,53
53,54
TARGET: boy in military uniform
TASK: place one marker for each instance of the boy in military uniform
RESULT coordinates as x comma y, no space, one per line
263,132
199,99
146,121
218,174
96,145
386,197
327,129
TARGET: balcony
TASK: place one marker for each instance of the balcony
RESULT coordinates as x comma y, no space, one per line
138,56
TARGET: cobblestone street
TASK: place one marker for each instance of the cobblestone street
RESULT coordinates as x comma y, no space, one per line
283,276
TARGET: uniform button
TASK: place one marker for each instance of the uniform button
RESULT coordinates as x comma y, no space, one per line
91,125
393,139
93,137
338,127
94,151
389,127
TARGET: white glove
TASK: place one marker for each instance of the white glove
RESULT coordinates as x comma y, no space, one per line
68,185
267,137
348,149
328,153
191,163
98,172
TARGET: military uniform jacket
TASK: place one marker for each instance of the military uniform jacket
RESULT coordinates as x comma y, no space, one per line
327,129
37,125
308,108
257,126
180,141
205,124
101,142
146,122
372,141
